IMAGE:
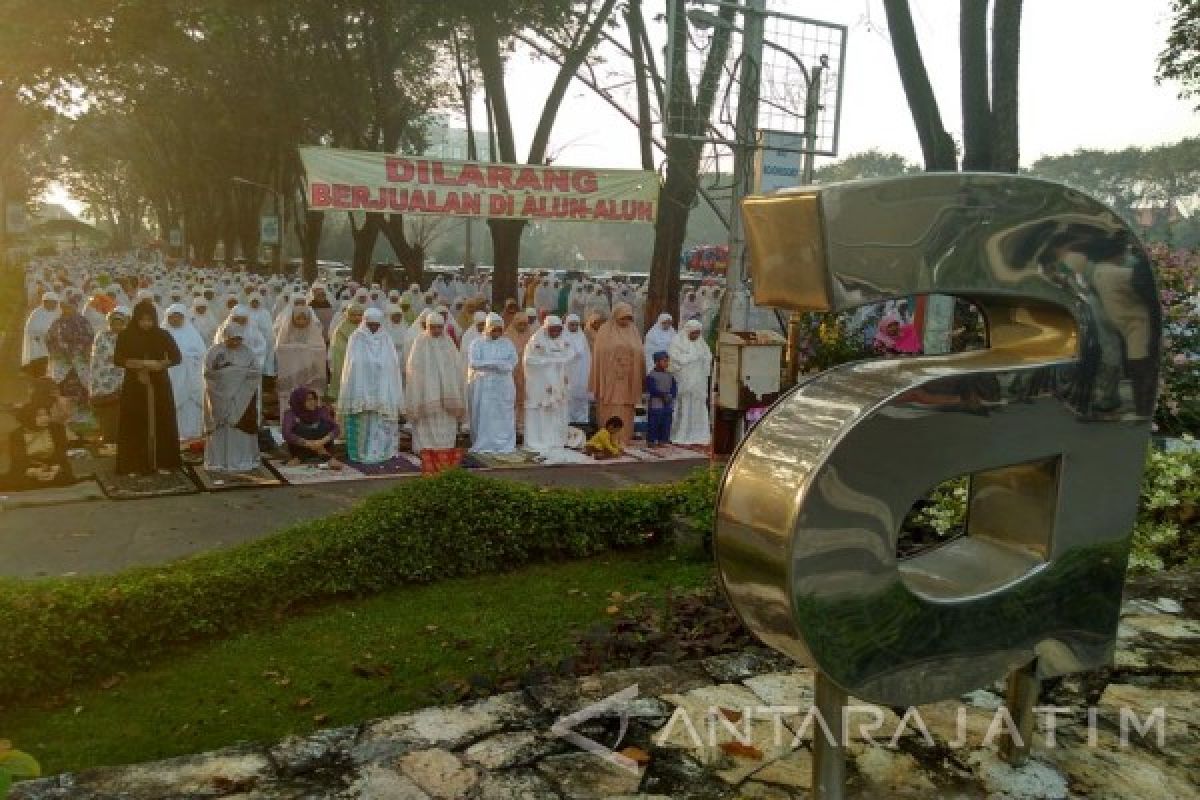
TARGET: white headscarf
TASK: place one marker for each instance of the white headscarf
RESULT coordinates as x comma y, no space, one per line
434,375
658,340
371,375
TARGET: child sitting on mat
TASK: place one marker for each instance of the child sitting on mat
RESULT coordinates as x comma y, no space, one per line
607,441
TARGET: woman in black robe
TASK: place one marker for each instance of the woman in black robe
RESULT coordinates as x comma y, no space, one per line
149,437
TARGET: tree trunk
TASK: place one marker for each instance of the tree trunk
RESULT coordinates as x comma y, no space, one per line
1006,47
506,253
936,145
310,243
633,23
674,208
411,256
976,102
364,245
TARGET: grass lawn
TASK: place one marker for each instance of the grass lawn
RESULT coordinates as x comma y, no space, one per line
344,663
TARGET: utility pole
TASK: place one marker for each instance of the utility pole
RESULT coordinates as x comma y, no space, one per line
745,138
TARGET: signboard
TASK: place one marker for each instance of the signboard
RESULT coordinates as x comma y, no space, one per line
351,180
778,168
176,237
269,230
15,220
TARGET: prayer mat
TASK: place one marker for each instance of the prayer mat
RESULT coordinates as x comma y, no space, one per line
123,487
399,465
518,459
669,453
217,481
82,492
308,474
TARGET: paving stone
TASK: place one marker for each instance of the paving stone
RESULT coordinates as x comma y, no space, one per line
449,727
583,776
563,697
1034,780
440,773
890,773
376,782
714,713
733,667
793,770
299,755
523,784
1116,774
215,774
514,749
751,790
1165,625
1181,711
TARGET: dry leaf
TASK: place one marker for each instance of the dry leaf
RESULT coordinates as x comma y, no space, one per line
731,715
736,748
303,702
110,682
636,755
320,719
612,610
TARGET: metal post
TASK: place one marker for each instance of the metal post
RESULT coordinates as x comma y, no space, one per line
812,107
829,757
1022,696
743,162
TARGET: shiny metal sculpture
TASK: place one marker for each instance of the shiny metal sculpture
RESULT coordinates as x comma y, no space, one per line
1051,422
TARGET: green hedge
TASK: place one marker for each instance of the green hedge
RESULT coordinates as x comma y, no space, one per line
55,633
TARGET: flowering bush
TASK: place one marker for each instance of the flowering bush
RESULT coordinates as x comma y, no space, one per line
1167,532
1178,275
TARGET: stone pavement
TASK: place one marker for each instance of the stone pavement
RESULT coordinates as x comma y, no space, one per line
502,746
104,536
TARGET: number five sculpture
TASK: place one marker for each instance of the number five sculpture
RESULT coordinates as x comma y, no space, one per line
1050,421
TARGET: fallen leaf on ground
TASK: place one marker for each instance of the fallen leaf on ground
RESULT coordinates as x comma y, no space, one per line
636,755
736,748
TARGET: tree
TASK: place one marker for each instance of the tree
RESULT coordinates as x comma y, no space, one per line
868,164
573,29
989,102
1180,58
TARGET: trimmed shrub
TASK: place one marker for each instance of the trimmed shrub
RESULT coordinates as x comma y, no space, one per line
57,632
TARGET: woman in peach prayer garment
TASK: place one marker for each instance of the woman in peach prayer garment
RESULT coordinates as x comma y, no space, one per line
616,376
519,331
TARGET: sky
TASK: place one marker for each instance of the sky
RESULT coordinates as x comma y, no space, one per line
1087,81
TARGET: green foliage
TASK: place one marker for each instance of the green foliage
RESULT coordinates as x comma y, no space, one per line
54,633
1169,514
867,164
15,765
1180,59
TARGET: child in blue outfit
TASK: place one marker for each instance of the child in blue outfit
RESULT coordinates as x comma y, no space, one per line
661,390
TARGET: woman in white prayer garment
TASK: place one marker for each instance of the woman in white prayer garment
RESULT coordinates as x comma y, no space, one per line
300,357
231,385
262,319
252,337
187,377
204,320
547,358
577,374
436,396
658,339
34,353
370,398
491,359
691,361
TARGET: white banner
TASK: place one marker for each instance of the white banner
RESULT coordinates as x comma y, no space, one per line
352,180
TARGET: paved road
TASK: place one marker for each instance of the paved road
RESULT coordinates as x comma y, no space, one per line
103,536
